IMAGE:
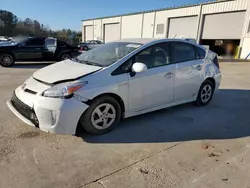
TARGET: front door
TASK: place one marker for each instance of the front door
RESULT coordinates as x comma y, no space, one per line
155,86
31,49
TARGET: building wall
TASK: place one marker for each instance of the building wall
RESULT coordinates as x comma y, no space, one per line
131,26
148,25
98,29
224,6
86,23
162,17
245,48
145,24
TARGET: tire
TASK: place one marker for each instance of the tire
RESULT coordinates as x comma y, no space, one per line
65,56
92,115
205,94
85,48
6,60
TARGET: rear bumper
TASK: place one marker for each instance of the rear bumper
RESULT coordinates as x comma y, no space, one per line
217,79
60,116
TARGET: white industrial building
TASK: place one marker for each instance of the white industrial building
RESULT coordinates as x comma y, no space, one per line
209,23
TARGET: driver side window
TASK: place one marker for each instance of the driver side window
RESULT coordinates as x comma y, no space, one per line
154,56
35,42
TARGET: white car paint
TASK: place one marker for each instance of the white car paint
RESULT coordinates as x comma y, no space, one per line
65,70
146,91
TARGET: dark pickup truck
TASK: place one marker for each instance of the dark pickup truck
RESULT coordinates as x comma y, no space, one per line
36,49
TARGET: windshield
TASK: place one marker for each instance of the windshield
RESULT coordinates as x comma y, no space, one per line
107,54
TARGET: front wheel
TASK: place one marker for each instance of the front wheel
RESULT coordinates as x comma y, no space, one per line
205,93
102,115
6,60
85,48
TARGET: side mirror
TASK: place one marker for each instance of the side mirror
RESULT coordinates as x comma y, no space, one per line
139,67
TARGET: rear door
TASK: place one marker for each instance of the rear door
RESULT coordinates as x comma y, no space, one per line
31,49
188,68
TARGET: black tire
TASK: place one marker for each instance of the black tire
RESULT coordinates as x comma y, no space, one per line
85,120
85,48
200,101
65,56
6,60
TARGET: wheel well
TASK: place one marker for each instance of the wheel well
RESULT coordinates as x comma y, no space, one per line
10,53
212,80
61,54
115,96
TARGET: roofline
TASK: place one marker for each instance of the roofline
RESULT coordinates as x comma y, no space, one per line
161,9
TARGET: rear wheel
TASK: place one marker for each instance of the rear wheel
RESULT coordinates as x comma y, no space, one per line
64,57
102,115
205,93
6,60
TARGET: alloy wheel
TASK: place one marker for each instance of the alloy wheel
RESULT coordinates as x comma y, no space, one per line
103,116
6,60
206,93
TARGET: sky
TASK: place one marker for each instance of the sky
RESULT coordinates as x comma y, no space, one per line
59,14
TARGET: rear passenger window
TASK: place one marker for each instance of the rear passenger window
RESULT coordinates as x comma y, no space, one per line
200,53
181,52
35,42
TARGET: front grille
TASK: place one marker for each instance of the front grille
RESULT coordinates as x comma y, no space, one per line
25,110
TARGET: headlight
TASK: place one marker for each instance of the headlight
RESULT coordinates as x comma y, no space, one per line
64,89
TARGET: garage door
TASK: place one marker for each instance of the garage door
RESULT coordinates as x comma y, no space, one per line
183,27
89,33
111,32
223,26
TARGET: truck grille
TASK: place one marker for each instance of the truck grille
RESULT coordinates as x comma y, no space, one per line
25,110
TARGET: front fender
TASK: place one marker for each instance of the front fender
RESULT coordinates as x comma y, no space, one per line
121,90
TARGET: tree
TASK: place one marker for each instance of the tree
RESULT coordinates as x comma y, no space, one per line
11,26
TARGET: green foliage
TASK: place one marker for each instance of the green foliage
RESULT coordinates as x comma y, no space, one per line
11,25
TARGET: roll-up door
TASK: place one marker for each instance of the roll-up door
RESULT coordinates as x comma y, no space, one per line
89,32
223,26
111,32
183,27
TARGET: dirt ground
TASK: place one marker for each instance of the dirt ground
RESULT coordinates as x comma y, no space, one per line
183,146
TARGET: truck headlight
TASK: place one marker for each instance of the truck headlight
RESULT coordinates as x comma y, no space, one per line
64,90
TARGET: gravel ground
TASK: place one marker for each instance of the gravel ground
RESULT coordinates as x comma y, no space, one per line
183,146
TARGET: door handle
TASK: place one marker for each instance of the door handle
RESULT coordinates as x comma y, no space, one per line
198,67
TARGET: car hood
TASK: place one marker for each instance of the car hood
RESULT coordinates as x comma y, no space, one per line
4,44
66,70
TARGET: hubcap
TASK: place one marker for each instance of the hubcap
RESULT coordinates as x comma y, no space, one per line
206,93
6,60
103,116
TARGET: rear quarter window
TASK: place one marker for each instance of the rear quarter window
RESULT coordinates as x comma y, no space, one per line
201,54
181,52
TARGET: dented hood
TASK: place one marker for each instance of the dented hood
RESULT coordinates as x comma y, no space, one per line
64,71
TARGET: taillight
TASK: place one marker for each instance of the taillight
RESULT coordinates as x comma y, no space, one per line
81,49
216,62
